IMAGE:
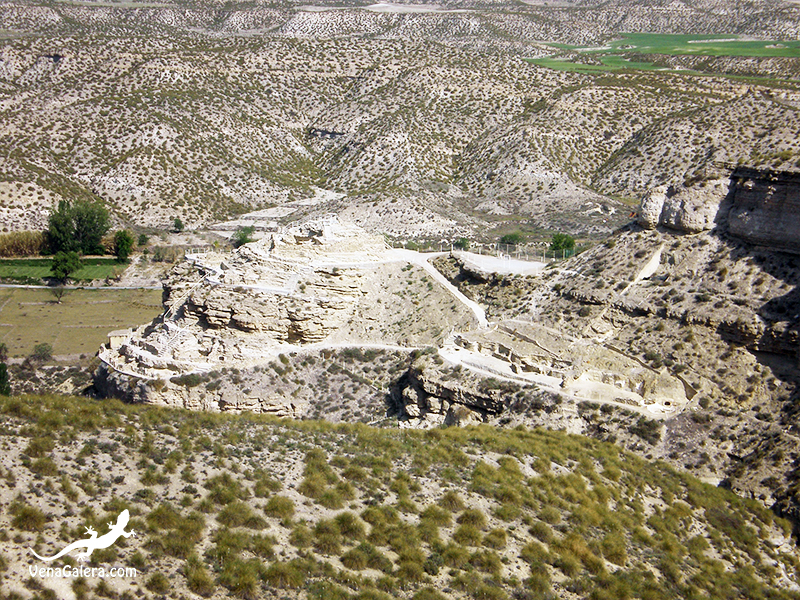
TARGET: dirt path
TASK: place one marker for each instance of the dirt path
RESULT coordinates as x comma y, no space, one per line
578,391
421,260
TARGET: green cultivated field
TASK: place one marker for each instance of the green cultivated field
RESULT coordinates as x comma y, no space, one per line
610,63
76,326
27,269
612,59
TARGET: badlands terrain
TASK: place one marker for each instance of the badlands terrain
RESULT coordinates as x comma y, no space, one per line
325,414
653,346
418,122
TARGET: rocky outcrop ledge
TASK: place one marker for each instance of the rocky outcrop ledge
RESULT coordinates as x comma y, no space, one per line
760,207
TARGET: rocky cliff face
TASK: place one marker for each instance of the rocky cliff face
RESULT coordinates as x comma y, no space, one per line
765,209
758,206
429,395
311,288
304,318
689,209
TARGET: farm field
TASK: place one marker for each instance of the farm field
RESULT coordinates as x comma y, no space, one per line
701,45
76,326
28,269
609,63
612,55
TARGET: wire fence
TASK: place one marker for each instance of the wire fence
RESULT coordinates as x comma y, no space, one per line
526,252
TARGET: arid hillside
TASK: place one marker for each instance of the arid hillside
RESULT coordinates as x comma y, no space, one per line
393,116
227,506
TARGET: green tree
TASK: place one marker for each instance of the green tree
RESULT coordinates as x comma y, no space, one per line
42,352
177,225
562,242
64,264
512,238
58,292
3,352
5,385
123,244
242,236
77,227
143,240
461,244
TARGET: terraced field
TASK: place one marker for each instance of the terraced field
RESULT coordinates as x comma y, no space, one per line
704,45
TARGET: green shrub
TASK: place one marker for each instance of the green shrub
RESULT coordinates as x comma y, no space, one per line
313,485
550,514
239,514
44,466
468,535
455,556
534,553
158,583
40,446
228,544
451,501
541,531
265,485
428,531
573,546
327,590
615,548
355,559
330,498
472,516
189,380
375,558
350,526
372,594
478,589
301,536
327,537
242,577
496,539
42,352
539,584
428,593
224,489
285,575
486,561
262,546
183,532
27,518
280,507
198,578
163,516
568,564
123,244
437,516
508,512
409,571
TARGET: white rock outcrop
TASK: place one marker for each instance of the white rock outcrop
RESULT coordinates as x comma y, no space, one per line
294,288
690,209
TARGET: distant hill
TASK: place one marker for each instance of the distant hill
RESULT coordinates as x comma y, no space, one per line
424,115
